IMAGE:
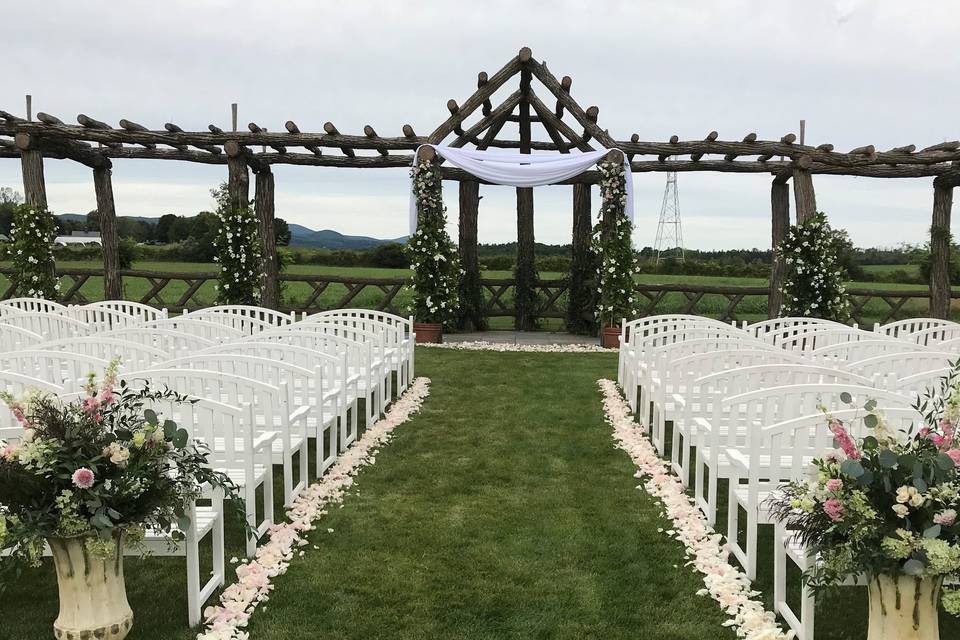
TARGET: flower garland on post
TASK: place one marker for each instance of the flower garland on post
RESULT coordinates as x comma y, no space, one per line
613,244
32,231
433,256
238,253
813,286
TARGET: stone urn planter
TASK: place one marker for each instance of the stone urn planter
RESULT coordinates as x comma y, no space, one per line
610,337
93,597
428,332
904,608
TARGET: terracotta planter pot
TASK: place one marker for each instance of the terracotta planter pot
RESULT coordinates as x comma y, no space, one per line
93,596
904,608
428,332
610,337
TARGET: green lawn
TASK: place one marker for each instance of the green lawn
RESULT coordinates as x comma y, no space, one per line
501,511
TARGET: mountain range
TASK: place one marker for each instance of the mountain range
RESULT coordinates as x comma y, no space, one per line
300,236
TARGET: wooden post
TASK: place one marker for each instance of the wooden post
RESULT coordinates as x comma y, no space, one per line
238,183
107,217
31,162
525,292
940,247
470,311
270,265
780,223
582,299
804,195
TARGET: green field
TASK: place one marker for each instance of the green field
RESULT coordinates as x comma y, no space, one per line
297,294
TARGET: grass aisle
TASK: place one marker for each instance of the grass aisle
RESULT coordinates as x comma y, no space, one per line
501,511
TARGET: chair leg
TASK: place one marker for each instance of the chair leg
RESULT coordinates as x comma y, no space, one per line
192,548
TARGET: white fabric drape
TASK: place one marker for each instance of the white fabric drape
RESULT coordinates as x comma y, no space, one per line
515,169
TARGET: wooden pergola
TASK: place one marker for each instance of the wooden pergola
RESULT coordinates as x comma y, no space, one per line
477,122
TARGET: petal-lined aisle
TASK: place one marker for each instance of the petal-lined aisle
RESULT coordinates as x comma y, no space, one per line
500,511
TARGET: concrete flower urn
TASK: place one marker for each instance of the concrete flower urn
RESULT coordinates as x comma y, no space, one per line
904,608
93,597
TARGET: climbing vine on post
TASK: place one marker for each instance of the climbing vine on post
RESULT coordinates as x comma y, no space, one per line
813,286
433,255
613,244
237,252
32,232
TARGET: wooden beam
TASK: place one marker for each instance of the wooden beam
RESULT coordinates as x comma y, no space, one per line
558,125
804,195
940,236
780,224
550,82
332,131
710,138
526,272
238,181
255,128
107,218
582,298
370,133
496,117
270,265
477,99
31,162
470,311
292,127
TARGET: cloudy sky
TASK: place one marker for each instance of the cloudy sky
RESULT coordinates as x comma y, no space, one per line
860,72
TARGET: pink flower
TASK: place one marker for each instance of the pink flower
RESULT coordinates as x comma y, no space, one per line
91,404
924,432
945,518
843,440
8,452
83,478
955,456
19,415
834,484
834,509
106,396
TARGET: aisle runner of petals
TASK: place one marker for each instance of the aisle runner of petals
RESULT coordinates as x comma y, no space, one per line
482,345
253,586
705,549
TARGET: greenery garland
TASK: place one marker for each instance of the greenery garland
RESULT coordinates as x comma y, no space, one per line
32,231
237,247
613,244
813,284
433,255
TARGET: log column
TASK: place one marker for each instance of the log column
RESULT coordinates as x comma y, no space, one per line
470,311
238,182
940,245
270,264
107,217
780,224
31,161
582,301
804,195
525,292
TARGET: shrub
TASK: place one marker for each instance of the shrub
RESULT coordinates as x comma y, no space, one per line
813,286
32,231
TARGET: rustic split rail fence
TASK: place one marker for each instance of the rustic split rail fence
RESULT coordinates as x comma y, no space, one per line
311,293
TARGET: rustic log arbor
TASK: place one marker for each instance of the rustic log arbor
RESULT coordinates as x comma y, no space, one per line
567,125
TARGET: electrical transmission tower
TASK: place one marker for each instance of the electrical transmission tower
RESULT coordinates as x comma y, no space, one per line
669,231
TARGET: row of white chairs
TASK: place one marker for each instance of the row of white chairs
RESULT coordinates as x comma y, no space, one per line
265,384
745,404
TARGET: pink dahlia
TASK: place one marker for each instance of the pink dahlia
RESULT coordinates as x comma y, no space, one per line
955,456
834,484
834,509
83,478
945,518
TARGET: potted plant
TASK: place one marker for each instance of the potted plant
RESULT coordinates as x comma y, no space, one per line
613,244
885,506
433,258
86,478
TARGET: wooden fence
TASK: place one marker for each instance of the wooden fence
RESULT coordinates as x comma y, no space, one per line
304,292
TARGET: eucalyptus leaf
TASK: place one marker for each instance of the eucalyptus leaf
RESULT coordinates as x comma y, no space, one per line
920,485
944,462
932,532
871,421
852,468
846,398
913,567
888,459
150,416
870,404
180,438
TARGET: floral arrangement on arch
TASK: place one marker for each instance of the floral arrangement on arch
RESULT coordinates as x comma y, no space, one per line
613,244
32,231
813,284
886,503
433,255
100,468
238,253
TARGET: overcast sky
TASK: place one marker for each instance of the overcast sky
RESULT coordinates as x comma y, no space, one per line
860,72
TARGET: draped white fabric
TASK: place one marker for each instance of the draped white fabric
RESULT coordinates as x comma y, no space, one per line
523,170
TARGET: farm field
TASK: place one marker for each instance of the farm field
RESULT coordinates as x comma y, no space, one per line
299,294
